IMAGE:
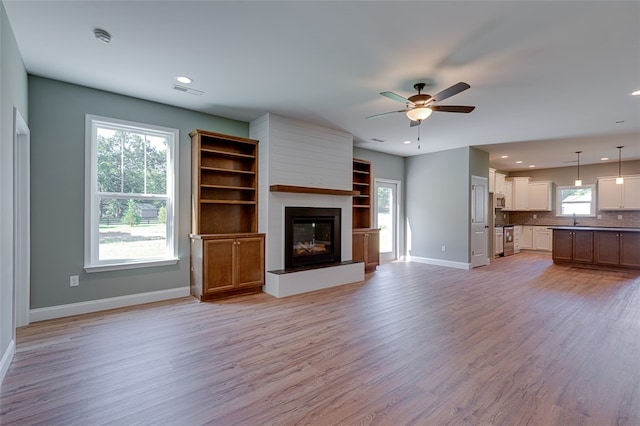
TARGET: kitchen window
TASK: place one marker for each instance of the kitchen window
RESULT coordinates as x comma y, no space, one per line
576,200
131,195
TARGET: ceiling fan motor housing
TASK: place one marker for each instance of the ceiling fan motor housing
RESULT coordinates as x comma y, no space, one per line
419,99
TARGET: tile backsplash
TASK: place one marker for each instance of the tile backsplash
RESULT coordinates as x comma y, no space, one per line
629,219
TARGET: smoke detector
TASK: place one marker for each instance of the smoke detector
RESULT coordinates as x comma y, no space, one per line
102,35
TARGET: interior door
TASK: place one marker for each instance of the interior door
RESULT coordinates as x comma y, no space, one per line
479,221
387,208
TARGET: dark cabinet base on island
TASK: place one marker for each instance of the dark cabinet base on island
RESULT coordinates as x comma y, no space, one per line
597,247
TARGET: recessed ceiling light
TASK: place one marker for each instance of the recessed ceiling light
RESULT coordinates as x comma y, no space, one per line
504,156
636,93
102,35
604,158
184,79
519,162
407,142
532,165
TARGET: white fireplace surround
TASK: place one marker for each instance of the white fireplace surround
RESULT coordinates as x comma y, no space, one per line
302,154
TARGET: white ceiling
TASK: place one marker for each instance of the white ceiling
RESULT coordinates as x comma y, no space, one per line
547,78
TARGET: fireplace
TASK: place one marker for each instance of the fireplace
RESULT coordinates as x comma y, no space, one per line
311,236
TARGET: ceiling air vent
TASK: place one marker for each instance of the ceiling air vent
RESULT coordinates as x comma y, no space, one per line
377,140
187,90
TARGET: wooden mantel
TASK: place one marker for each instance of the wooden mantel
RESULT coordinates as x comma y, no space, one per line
310,190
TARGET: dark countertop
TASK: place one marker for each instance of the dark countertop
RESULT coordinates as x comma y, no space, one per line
594,228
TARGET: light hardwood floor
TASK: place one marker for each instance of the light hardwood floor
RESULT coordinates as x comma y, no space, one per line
519,342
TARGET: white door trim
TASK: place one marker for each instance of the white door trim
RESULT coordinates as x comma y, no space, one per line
21,219
396,207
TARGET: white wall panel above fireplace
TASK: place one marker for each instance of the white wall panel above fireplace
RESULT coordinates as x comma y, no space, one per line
300,154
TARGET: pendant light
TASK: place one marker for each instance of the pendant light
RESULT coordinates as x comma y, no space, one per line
578,180
619,179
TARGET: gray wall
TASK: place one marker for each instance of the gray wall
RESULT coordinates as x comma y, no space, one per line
57,123
388,166
13,93
438,204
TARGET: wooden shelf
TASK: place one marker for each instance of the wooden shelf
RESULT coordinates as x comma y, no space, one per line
227,153
227,202
224,179
311,190
218,169
361,203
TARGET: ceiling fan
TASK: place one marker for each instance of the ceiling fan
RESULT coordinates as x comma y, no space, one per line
420,106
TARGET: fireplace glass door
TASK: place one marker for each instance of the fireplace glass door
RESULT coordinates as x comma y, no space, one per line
312,236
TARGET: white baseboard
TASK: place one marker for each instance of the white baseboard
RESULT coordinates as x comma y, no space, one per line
439,262
42,314
7,357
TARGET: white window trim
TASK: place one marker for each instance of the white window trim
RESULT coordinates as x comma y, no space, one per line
91,263
593,210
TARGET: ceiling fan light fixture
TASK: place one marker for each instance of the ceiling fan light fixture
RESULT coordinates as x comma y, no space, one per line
419,113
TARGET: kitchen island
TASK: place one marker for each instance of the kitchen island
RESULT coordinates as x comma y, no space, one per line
598,247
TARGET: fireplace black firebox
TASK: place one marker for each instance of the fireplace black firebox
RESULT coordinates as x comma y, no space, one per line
311,235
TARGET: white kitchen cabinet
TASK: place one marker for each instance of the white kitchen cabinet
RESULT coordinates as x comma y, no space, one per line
500,180
526,239
508,195
540,193
517,238
612,196
520,193
492,180
542,238
498,241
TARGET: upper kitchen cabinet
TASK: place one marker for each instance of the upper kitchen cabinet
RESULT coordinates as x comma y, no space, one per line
540,195
492,180
612,196
500,183
520,193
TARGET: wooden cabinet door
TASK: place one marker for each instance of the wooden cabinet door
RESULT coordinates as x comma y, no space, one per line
562,245
358,247
582,246
630,249
218,265
606,247
249,261
373,249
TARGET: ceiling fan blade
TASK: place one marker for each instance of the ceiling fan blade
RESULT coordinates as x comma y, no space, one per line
396,97
453,90
386,113
453,108
415,123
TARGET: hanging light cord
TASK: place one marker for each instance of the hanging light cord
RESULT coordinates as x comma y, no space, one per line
620,161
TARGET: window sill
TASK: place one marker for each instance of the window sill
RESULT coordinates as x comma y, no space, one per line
133,265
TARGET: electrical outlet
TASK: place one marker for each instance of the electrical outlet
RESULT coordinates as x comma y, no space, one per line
619,217
535,216
74,281
599,217
444,248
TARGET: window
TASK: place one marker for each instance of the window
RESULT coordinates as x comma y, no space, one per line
578,200
131,195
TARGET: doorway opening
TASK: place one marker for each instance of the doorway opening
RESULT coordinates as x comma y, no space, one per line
387,209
